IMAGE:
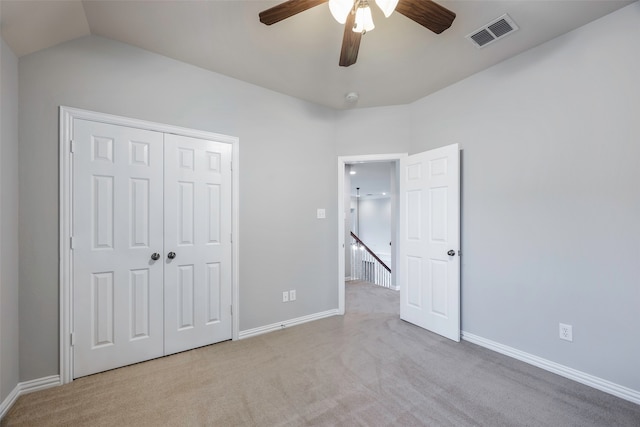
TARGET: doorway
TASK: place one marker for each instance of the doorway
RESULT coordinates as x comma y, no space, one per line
344,202
428,237
370,222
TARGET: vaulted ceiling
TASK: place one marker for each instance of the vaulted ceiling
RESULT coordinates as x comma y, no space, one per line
399,62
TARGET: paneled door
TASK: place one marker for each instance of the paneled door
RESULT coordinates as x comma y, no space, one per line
429,267
197,242
151,245
117,229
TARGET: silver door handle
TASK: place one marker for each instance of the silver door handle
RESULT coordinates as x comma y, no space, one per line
171,255
155,256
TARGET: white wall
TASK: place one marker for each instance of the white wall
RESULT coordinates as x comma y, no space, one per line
287,170
9,361
550,193
346,199
375,225
551,196
380,130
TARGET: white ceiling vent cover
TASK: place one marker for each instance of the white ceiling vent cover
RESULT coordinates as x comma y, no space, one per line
493,31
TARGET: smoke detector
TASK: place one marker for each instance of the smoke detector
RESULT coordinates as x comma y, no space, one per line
492,31
351,97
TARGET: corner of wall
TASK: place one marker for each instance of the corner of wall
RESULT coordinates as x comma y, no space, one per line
9,360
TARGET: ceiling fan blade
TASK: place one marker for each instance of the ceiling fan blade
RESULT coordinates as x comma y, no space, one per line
286,10
350,42
427,13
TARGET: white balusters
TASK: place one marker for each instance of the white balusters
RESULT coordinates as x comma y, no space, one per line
366,266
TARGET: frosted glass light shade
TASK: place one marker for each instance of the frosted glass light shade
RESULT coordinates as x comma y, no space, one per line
364,20
387,6
340,9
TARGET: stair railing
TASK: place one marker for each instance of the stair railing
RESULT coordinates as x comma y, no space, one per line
367,266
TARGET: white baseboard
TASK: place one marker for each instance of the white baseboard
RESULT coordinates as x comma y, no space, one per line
25,388
564,371
39,384
9,401
286,323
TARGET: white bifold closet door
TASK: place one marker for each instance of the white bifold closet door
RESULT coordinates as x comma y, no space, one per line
151,269
197,230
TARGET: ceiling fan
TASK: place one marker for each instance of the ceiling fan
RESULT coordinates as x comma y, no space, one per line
356,15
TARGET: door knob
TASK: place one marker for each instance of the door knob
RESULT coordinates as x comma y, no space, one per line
171,255
155,256
451,252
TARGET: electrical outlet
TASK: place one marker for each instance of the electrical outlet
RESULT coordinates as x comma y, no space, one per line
285,296
566,332
292,295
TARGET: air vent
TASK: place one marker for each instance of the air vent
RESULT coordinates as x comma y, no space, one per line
483,37
493,31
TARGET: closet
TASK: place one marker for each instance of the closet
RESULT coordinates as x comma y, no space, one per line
151,251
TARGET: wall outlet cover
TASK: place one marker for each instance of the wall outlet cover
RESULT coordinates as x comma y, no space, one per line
285,296
566,332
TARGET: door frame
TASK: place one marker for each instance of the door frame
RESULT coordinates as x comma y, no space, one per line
342,162
66,117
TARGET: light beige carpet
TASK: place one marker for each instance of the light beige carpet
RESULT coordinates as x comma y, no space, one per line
367,368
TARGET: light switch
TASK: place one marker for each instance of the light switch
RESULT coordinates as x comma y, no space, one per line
322,214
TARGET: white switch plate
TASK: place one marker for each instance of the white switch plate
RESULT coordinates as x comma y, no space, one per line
285,296
292,295
322,214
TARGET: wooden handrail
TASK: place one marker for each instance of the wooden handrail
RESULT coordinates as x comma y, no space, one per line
370,252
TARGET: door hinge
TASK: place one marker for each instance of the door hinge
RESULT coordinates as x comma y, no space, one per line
231,237
231,308
72,146
72,339
71,242
231,164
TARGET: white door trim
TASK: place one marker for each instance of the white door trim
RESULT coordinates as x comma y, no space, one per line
67,115
342,162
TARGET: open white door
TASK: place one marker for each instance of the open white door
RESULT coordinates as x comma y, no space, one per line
429,265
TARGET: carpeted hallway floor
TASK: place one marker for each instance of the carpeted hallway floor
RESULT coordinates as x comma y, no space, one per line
366,368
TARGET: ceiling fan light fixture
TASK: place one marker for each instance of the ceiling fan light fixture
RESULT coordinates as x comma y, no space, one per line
364,20
340,9
387,6
355,15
